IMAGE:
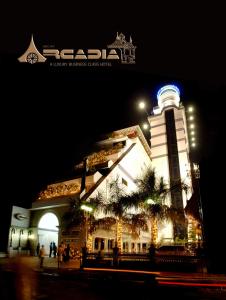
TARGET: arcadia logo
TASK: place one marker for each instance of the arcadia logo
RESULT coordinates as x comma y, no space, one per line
120,50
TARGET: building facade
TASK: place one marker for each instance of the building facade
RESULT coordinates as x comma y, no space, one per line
123,155
170,148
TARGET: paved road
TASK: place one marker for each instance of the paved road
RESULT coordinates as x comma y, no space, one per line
22,279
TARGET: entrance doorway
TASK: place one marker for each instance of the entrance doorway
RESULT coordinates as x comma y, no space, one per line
48,230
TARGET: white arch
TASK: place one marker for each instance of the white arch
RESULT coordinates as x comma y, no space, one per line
49,221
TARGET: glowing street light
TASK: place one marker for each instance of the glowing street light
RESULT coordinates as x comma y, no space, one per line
192,132
193,144
192,126
191,118
86,208
150,201
142,105
190,109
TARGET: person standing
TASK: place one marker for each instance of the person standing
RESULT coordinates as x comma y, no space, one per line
115,256
50,249
38,249
54,249
60,253
152,252
42,255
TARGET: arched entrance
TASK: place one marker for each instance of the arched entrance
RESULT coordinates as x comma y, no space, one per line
48,230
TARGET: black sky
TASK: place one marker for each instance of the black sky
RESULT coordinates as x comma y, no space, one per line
51,116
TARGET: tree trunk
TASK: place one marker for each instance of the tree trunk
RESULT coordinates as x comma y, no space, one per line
89,243
154,231
119,234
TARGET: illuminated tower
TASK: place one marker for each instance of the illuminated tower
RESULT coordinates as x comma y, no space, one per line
170,148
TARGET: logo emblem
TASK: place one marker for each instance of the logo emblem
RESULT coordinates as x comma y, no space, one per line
120,49
127,49
20,217
32,55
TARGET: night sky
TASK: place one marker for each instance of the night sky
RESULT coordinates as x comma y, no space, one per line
51,116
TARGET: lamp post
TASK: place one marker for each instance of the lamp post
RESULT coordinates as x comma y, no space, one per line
87,209
142,106
145,126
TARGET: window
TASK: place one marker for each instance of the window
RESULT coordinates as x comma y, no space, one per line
110,244
144,247
125,247
96,244
102,244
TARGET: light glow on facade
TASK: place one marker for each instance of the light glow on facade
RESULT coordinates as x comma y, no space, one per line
169,87
168,95
145,126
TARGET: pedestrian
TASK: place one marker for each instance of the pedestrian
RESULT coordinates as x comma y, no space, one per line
67,253
54,249
38,249
42,255
116,256
60,253
50,249
152,251
84,256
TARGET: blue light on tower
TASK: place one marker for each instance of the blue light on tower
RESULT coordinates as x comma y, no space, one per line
168,88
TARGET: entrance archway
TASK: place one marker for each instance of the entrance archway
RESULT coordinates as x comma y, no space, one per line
48,230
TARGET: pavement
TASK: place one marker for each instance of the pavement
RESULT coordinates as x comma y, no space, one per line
72,267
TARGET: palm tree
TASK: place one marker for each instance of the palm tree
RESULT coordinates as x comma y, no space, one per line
116,213
74,216
113,209
150,199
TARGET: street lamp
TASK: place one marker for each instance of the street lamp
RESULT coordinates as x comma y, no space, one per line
87,209
142,106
